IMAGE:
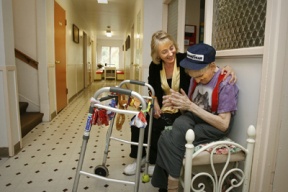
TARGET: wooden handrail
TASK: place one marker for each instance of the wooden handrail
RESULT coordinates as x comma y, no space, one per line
25,58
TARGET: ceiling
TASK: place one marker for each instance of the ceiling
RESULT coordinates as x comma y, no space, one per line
117,14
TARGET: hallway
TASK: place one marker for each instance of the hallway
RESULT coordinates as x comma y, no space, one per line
48,160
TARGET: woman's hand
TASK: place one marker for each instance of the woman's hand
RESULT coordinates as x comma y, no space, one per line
157,110
227,70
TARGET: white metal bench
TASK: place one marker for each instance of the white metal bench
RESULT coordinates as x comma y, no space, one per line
217,168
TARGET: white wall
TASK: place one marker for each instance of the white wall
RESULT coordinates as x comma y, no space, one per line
3,116
3,82
249,90
42,44
24,22
152,11
50,56
28,86
281,172
25,41
270,124
10,133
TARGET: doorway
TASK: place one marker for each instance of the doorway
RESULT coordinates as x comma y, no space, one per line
60,56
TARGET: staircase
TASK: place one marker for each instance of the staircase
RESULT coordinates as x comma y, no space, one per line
29,120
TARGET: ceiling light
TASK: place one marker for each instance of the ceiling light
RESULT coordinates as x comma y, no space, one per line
103,1
108,32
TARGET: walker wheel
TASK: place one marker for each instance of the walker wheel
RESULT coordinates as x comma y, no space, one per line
101,170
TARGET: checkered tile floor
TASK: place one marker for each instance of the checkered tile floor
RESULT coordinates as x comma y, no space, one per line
48,160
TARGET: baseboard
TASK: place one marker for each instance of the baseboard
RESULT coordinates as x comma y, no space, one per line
4,152
72,98
80,91
53,115
17,148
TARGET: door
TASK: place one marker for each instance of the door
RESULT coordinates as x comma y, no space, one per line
89,60
85,73
60,56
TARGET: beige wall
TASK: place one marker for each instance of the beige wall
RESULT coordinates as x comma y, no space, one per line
25,40
74,52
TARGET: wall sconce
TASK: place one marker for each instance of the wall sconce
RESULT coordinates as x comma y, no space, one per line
137,36
108,32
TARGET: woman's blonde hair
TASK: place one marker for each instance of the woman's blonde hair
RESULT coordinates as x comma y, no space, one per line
158,38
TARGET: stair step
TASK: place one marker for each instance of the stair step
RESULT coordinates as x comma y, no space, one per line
23,106
29,120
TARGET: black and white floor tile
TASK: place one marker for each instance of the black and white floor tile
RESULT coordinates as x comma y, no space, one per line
50,153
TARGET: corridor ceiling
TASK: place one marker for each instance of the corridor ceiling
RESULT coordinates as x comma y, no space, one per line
117,13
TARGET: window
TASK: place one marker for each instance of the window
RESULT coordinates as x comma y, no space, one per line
110,56
238,24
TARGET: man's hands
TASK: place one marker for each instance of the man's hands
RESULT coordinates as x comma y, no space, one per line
177,100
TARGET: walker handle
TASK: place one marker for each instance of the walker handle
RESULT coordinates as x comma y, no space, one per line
121,91
142,83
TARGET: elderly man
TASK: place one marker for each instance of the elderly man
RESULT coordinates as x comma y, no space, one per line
208,109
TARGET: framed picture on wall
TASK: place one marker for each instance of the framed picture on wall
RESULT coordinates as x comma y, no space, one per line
127,43
75,33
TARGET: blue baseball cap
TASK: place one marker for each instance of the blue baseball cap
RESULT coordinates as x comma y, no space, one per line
198,57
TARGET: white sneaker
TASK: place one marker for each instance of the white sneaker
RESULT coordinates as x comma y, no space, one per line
151,170
131,168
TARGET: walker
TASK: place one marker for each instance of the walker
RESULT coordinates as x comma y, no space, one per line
151,111
101,171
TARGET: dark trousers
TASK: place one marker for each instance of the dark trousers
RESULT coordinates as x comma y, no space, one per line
171,145
158,125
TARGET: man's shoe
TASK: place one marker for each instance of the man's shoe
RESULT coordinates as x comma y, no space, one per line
131,168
